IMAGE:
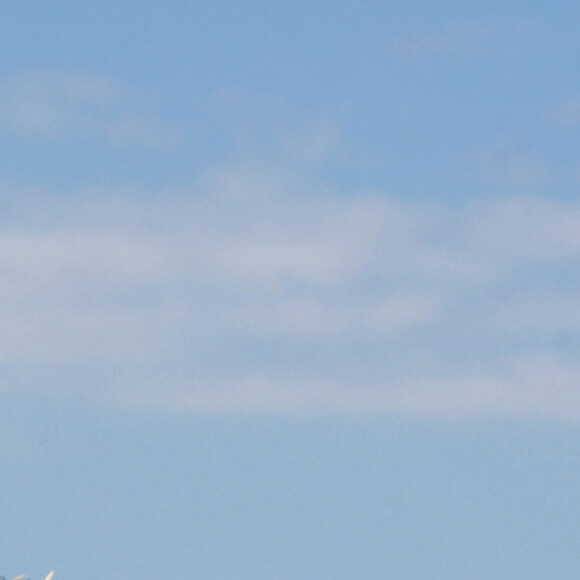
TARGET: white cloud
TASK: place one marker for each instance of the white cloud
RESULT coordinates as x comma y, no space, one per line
536,387
523,229
555,313
243,295
55,105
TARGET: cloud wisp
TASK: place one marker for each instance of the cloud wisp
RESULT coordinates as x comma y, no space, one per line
465,38
243,296
55,105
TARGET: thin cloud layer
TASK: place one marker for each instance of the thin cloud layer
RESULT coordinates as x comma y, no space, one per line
56,105
246,296
461,37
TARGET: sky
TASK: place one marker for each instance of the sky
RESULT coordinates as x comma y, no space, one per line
290,291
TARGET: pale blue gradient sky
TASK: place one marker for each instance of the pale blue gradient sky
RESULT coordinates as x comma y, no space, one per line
290,292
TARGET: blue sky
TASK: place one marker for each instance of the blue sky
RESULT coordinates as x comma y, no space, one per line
290,291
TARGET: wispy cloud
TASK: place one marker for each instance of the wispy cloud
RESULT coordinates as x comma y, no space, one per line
511,164
242,295
462,37
53,105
